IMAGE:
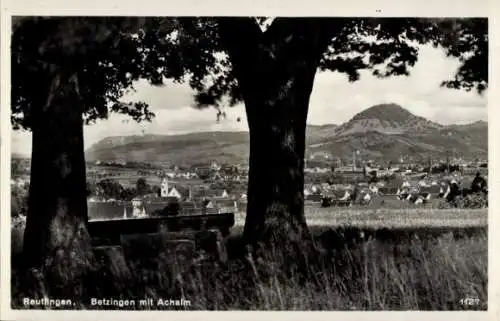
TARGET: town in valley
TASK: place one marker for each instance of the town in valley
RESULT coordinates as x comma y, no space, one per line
120,188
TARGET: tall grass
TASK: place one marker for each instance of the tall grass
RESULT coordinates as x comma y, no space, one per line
426,273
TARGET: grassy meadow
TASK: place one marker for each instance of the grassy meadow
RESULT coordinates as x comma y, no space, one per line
380,259
389,218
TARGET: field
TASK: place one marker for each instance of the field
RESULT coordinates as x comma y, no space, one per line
380,259
127,177
390,218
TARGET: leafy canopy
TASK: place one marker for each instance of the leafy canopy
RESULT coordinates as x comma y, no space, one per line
109,54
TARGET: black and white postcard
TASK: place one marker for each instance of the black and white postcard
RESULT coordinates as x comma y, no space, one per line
164,161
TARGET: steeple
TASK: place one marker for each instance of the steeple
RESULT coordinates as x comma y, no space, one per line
164,187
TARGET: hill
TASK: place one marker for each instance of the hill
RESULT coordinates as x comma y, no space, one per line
387,119
231,147
379,146
383,132
190,148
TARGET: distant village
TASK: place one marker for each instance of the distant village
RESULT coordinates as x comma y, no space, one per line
122,189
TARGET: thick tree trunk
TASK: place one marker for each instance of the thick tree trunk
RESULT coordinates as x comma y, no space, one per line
275,225
275,72
275,210
276,176
277,105
55,232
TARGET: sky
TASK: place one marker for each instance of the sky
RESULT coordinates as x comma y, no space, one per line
333,100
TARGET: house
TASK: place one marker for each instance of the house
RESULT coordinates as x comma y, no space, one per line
314,197
138,209
348,170
136,202
208,204
433,190
311,189
164,188
389,190
214,166
444,190
325,186
94,199
406,184
179,192
337,198
411,197
226,205
212,193
373,188
340,195
420,200
365,197
173,192
425,195
423,183
188,205
415,197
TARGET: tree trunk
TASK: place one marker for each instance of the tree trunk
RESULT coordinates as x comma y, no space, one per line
276,176
55,232
277,104
275,72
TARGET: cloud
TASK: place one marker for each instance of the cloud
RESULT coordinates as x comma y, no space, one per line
181,120
169,96
335,100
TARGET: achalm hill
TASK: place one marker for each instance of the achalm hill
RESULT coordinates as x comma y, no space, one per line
381,132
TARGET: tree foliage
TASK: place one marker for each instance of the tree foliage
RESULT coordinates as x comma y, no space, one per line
466,40
142,186
108,56
110,188
111,54
383,47
18,200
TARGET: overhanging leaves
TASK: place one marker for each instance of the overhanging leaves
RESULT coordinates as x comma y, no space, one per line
110,54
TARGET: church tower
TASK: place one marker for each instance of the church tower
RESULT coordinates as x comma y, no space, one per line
164,188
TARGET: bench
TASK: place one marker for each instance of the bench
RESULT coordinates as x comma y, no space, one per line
144,236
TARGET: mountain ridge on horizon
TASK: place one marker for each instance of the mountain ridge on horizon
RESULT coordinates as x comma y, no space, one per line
381,131
334,125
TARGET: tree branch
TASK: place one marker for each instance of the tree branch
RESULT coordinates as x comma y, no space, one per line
315,34
239,36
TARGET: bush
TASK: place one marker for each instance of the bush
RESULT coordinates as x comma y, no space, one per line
477,200
18,201
18,224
